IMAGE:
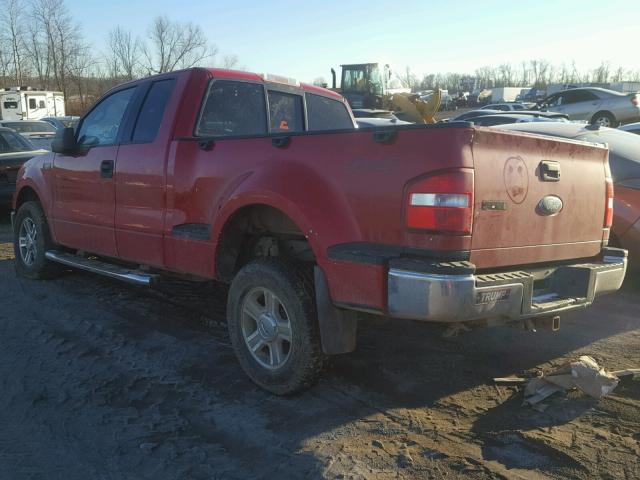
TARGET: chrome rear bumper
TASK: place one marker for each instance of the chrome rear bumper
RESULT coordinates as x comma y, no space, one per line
437,297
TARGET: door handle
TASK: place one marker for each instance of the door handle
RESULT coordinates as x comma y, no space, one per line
106,169
280,142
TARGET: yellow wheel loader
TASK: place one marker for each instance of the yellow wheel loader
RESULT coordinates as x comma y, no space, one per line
365,87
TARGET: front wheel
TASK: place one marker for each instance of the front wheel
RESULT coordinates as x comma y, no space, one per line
31,239
272,321
604,119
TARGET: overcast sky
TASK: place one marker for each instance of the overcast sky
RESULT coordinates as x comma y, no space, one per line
305,39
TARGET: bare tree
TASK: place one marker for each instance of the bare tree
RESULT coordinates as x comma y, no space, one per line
176,45
320,82
12,17
230,61
124,57
407,79
61,38
601,74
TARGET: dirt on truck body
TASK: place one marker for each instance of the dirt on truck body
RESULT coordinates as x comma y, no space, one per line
267,185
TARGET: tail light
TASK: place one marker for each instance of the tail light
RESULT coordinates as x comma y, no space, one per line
608,215
634,100
441,203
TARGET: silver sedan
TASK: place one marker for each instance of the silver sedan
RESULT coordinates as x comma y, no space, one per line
607,108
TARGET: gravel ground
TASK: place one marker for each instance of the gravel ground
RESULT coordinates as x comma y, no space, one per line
100,380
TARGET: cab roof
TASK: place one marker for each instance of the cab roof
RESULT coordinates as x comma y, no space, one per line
271,79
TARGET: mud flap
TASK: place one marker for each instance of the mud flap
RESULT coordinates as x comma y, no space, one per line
337,326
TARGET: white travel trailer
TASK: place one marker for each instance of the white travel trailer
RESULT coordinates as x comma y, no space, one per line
26,104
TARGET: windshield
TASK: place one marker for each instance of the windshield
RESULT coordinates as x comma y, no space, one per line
362,78
30,127
13,142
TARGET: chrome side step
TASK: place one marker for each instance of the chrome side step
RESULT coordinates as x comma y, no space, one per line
102,268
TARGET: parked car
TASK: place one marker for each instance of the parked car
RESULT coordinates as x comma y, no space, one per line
39,133
266,184
477,113
15,150
631,127
607,108
505,107
504,118
624,161
62,122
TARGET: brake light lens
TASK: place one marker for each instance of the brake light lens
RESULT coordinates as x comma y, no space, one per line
634,100
608,216
441,203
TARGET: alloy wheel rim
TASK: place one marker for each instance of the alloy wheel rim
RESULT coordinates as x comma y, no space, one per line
266,328
28,241
603,122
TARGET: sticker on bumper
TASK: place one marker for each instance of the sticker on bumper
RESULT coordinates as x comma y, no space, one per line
492,296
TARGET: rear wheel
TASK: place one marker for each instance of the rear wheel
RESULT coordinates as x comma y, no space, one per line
31,239
604,119
273,325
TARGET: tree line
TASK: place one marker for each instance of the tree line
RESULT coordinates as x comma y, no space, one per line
532,73
42,45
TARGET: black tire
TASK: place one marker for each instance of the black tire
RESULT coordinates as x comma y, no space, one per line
39,268
292,285
604,119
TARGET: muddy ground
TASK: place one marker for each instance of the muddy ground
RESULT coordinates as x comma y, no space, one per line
100,380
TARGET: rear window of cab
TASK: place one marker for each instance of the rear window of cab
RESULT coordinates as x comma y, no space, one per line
234,108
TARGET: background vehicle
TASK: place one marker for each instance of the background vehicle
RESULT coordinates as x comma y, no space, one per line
624,161
505,94
506,118
534,95
595,105
15,150
26,104
631,127
62,122
505,107
39,133
477,113
365,87
266,185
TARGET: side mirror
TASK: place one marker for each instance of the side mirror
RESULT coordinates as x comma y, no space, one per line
65,141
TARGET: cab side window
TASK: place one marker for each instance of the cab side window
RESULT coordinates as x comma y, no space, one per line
100,127
152,111
285,112
327,114
233,108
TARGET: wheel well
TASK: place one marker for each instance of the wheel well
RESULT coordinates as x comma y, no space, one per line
26,194
606,112
259,231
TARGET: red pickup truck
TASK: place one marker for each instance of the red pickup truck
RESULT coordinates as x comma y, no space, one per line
267,185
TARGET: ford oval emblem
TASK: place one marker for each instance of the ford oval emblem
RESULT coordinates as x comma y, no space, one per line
550,205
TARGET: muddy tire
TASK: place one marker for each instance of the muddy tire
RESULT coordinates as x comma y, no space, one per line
273,326
31,239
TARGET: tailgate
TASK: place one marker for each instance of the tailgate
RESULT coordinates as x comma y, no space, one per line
522,214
